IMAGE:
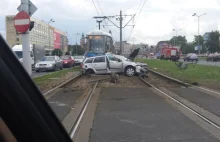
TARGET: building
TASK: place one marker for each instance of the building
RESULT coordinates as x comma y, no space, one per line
126,48
42,33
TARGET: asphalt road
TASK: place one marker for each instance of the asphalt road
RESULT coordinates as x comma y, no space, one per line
138,114
201,99
37,74
63,101
204,62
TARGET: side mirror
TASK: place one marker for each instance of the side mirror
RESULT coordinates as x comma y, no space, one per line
119,60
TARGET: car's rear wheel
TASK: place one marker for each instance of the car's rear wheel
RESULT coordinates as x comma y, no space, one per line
129,71
61,68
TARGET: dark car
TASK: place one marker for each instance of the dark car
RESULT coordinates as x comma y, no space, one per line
216,58
68,61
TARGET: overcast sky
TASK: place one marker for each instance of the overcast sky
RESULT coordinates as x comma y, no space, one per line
155,22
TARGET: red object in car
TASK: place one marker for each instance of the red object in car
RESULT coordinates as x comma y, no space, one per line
68,61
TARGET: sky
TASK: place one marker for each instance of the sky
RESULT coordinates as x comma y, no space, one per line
155,22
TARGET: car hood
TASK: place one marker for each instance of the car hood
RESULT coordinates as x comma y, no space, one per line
129,63
46,62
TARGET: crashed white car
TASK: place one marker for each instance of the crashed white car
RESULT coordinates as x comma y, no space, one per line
110,63
143,65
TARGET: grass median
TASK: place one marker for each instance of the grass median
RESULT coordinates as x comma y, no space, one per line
204,75
58,74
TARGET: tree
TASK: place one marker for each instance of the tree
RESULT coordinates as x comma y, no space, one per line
212,42
76,50
67,53
179,40
57,52
201,43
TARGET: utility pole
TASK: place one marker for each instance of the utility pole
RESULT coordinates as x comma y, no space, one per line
25,41
194,14
76,41
175,39
120,31
120,19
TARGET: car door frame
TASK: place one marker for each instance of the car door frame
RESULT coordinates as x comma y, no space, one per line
102,66
115,66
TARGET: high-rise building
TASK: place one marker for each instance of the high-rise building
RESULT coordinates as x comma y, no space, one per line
42,33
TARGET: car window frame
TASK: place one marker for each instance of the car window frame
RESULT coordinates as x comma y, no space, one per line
99,57
89,59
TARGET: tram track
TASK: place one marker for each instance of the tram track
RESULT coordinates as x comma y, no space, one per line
208,117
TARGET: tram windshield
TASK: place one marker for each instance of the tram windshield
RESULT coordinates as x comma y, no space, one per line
97,43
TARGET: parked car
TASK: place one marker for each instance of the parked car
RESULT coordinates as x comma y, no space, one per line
191,57
213,57
68,61
49,63
78,59
99,65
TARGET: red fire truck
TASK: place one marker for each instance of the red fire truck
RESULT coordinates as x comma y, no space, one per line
168,53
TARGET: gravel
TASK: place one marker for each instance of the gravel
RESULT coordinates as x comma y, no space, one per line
161,82
124,81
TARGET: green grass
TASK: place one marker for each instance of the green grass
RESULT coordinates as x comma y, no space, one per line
194,73
57,74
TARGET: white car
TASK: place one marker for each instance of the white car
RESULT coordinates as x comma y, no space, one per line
143,65
110,63
78,59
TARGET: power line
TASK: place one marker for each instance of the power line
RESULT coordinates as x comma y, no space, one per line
100,8
95,7
137,17
103,15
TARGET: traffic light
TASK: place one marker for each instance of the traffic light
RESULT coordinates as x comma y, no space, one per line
31,25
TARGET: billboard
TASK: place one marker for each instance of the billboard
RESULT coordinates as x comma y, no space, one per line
56,36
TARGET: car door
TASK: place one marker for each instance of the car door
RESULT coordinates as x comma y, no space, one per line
115,63
100,65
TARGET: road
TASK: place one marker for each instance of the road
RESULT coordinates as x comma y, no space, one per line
204,62
37,74
139,114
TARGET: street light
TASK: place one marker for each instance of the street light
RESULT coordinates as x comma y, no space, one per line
76,41
194,14
175,41
51,20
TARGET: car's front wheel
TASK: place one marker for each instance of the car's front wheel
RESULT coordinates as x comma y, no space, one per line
129,71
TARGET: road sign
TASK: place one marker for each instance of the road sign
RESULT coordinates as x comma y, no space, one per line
32,8
22,22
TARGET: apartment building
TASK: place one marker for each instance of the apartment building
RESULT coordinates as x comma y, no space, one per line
42,33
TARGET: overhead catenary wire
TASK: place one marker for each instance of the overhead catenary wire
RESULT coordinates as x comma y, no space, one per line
95,7
137,18
102,15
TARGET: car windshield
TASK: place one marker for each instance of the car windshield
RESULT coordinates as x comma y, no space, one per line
49,58
19,54
65,57
97,44
78,57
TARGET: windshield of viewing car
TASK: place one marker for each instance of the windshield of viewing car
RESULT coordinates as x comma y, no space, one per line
48,59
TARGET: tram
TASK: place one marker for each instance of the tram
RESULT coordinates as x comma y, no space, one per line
98,43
